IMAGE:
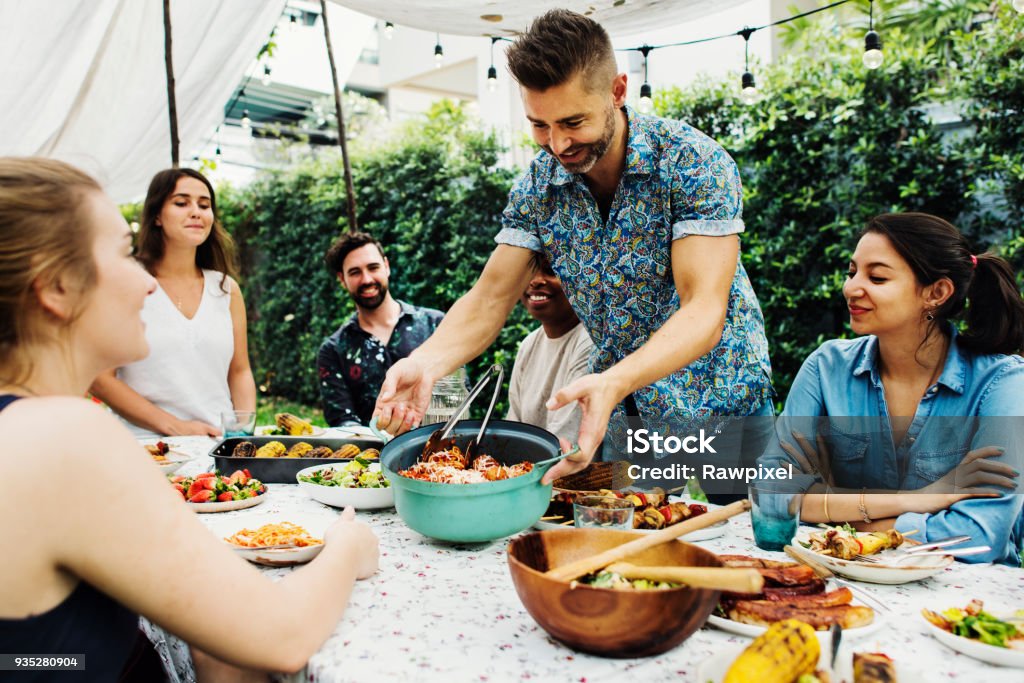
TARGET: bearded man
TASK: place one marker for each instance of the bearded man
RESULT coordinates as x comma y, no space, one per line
640,219
352,362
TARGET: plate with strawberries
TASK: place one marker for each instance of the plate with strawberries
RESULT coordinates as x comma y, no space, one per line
213,492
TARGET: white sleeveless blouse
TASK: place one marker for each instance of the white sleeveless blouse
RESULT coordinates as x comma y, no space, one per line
186,371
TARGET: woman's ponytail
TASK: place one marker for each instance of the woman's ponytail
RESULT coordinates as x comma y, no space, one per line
995,309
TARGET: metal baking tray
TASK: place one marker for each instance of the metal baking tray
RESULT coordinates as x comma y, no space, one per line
282,470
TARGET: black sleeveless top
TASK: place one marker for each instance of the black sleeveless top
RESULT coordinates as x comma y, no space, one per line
86,622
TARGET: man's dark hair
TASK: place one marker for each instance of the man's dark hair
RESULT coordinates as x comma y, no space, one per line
557,46
344,245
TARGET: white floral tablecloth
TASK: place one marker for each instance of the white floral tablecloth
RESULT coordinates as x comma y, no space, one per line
442,612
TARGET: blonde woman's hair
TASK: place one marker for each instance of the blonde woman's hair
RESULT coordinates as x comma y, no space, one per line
45,233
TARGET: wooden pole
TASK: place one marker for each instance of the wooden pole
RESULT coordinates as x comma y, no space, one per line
353,224
172,109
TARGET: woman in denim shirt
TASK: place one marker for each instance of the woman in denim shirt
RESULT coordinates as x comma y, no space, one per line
913,407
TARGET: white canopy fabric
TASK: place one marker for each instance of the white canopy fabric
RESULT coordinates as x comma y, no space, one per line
83,80
505,17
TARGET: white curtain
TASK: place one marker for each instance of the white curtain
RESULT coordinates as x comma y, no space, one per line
83,80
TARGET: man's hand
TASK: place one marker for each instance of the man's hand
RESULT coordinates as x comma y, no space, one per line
597,396
404,397
176,427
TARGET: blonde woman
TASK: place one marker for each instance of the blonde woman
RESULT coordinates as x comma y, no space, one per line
98,535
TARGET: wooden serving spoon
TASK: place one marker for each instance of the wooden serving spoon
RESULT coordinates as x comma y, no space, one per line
715,578
589,565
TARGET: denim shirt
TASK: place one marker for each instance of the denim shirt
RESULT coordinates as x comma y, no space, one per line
971,405
617,271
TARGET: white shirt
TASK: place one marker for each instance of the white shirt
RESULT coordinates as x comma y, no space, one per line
542,367
186,371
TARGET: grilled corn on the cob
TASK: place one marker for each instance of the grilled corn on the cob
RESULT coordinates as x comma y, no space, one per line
273,449
299,450
295,426
349,450
783,653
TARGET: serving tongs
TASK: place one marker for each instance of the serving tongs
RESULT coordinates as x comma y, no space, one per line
441,440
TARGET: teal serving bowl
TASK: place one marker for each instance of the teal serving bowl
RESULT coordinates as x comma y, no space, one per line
473,513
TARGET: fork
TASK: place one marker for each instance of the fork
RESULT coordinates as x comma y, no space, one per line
955,552
919,548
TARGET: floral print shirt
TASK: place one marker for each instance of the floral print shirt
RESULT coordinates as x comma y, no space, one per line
618,272
352,363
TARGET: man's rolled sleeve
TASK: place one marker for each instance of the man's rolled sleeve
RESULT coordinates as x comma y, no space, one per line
518,228
707,197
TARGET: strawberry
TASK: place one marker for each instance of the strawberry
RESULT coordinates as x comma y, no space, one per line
206,475
202,496
177,479
248,475
241,477
195,488
227,495
209,483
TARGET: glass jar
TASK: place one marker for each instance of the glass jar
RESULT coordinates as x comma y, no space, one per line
449,393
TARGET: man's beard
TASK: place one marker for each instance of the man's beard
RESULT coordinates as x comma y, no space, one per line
595,150
373,302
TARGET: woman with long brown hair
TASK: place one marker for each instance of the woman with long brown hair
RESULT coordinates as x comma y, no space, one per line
198,366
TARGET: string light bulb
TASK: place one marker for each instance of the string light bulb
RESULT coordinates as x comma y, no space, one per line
246,121
265,79
646,104
389,29
748,92
492,73
438,53
293,21
872,41
748,86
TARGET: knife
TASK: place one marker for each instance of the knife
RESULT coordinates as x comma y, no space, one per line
941,543
836,636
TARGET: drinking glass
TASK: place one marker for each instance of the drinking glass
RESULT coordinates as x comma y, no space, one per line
608,512
238,422
774,514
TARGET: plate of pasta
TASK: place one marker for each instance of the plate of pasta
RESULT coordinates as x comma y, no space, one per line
272,541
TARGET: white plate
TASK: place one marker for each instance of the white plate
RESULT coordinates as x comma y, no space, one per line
339,496
282,557
1000,656
227,505
877,572
266,429
714,668
753,630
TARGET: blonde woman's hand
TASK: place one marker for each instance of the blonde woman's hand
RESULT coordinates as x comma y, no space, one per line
359,541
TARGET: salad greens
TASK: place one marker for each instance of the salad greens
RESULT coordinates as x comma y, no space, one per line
981,626
353,475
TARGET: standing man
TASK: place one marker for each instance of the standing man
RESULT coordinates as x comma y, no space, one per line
640,218
352,361
552,356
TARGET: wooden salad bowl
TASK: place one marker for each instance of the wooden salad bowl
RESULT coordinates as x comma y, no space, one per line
605,622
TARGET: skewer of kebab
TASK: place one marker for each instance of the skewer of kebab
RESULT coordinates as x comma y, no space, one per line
846,546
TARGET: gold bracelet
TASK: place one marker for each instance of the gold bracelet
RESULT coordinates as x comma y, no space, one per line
825,504
863,508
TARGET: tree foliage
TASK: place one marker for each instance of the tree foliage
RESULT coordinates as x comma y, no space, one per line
831,144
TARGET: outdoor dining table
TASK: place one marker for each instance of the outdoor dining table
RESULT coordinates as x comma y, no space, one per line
444,612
